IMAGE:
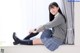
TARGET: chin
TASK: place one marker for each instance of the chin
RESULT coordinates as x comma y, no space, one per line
53,14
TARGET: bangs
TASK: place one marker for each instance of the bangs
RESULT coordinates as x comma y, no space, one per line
52,5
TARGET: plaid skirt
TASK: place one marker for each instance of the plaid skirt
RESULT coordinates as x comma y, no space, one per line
50,42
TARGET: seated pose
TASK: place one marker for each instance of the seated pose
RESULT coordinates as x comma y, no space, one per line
51,39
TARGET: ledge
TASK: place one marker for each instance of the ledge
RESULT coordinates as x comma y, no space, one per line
40,49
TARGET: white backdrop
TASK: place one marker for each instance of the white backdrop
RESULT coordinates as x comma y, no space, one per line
10,19
22,15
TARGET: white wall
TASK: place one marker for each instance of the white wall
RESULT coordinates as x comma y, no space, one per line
10,18
77,23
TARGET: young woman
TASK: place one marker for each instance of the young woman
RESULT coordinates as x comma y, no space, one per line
52,39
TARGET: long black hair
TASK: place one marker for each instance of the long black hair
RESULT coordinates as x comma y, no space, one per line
51,16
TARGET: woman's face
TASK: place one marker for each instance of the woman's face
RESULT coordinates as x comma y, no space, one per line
54,10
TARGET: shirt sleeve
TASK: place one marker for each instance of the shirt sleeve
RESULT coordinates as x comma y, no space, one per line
57,21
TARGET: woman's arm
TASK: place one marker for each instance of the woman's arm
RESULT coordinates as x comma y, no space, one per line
57,21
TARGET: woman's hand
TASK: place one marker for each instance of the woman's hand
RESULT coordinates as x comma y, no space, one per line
33,31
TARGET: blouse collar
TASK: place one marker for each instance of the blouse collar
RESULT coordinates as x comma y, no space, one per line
56,14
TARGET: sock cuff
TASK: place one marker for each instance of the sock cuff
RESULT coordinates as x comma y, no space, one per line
30,42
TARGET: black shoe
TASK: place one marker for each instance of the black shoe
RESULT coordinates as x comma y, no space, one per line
15,43
16,39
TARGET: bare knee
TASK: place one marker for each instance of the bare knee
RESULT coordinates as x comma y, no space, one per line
37,42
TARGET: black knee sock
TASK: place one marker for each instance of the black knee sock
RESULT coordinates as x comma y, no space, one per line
30,35
26,42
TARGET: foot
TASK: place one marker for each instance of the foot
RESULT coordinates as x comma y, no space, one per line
15,43
16,39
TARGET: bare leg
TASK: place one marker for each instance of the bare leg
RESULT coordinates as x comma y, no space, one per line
37,42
